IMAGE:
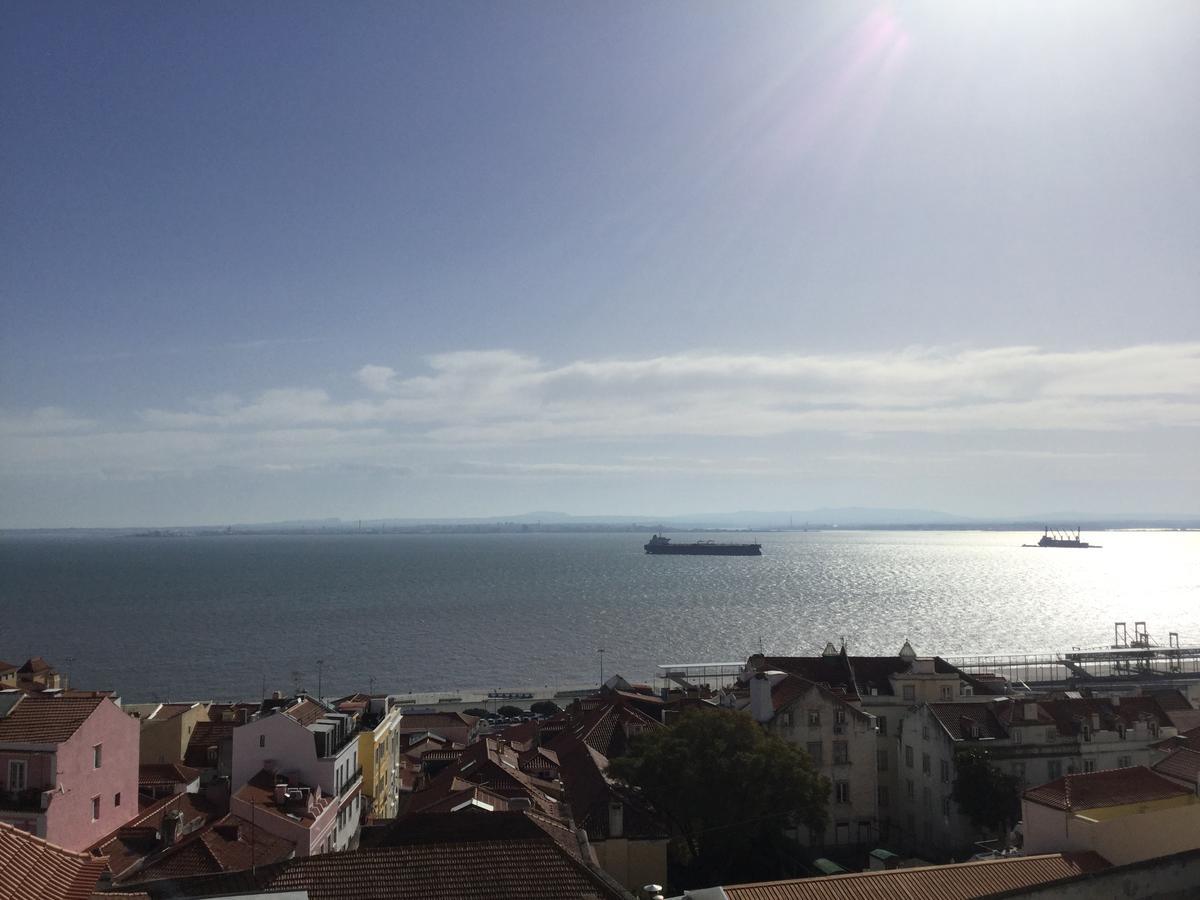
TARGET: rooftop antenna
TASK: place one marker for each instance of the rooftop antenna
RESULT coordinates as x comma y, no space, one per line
320,669
601,652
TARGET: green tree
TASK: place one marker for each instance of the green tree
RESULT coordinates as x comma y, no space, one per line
476,711
729,788
510,712
545,707
989,797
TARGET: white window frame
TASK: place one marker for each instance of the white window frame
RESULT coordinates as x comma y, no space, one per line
22,766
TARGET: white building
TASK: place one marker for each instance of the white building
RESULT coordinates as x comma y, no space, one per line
308,744
838,737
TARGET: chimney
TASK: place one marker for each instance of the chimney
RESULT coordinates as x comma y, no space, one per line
280,794
616,819
761,706
172,825
652,891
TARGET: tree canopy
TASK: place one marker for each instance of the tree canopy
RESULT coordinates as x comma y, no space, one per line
728,787
989,797
545,707
510,711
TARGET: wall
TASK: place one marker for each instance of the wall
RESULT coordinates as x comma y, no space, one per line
69,818
1156,829
633,863
166,741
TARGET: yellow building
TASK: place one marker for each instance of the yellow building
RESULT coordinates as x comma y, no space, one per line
379,754
166,728
1125,815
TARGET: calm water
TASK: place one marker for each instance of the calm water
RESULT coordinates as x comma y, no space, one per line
214,616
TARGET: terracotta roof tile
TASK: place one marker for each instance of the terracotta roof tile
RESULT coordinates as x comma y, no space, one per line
206,735
46,720
958,881
306,711
31,867
169,711
958,719
1113,787
124,849
164,774
230,844
1183,764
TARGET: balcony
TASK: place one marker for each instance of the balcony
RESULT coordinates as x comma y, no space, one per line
355,778
34,799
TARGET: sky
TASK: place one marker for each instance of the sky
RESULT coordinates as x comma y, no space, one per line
304,260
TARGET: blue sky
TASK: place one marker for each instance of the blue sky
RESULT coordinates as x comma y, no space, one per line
276,260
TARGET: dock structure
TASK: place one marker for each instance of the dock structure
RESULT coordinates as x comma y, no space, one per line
697,676
1130,659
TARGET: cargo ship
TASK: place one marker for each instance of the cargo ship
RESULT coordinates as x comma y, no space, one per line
662,545
1061,539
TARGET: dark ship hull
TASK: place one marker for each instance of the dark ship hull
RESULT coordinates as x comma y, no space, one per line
1061,539
663,546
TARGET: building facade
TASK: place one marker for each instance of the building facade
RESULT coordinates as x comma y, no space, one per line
68,767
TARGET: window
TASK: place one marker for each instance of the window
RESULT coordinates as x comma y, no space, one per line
882,795
262,740
814,718
96,756
947,692
1054,769
785,719
841,753
910,692
1087,732
909,789
841,792
926,764
1051,734
882,723
117,799
1124,762
945,771
924,732
1089,765
839,715
1015,734
816,752
18,776
946,807
1019,771
908,757
881,760
95,808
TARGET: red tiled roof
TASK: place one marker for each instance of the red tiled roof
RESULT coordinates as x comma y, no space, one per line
1113,787
204,736
1189,739
958,718
6,667
1183,764
169,711
410,722
31,867
306,711
124,849
163,774
228,845
35,665
260,792
957,881
46,720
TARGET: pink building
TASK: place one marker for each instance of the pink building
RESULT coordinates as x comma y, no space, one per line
68,767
